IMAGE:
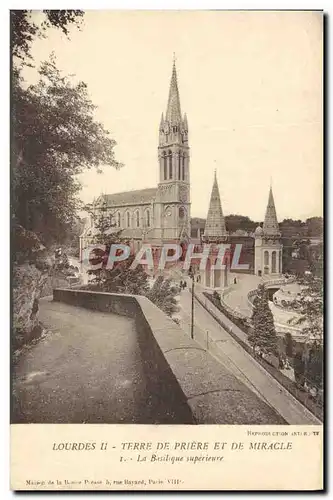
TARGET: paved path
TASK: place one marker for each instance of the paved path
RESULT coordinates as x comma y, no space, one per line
239,362
88,369
236,298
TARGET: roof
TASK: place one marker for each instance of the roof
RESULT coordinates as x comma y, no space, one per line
215,225
271,226
137,197
173,114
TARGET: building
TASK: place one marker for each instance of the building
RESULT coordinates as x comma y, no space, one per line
268,246
162,214
159,214
214,276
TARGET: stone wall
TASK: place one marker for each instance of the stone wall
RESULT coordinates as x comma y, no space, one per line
27,285
201,390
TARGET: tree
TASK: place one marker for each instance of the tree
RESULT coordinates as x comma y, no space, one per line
121,278
314,367
163,294
54,138
234,222
315,227
309,306
299,368
25,28
262,335
289,347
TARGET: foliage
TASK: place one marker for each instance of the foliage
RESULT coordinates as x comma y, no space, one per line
121,278
216,296
262,335
163,294
54,138
234,222
288,342
27,243
299,368
25,29
310,307
315,227
314,366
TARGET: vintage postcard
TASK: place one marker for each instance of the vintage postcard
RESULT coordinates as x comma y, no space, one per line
167,250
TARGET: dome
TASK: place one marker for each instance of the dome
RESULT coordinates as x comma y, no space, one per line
259,230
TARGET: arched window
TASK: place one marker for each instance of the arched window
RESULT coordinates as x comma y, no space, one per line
266,258
128,219
183,168
274,262
137,218
118,219
170,164
180,166
165,165
148,218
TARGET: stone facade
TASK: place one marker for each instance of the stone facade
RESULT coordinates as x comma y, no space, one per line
268,246
215,233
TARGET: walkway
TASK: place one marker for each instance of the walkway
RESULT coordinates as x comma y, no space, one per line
238,361
236,298
88,369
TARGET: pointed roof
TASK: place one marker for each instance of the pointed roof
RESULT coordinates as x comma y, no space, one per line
173,114
271,226
215,224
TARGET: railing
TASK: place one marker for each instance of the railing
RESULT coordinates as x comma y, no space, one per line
278,281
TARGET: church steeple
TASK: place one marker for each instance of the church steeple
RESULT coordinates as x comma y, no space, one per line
173,148
173,196
173,114
215,224
271,226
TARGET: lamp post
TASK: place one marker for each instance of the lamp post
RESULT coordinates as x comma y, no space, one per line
191,274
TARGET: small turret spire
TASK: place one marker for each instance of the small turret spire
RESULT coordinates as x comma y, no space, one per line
215,223
271,225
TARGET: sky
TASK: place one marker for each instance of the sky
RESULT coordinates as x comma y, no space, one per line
249,82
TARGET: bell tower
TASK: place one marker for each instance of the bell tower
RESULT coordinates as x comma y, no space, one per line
268,245
174,176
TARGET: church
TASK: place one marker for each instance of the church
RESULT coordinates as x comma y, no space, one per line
159,214
162,214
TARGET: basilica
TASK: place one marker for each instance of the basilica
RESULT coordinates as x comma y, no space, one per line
159,214
162,214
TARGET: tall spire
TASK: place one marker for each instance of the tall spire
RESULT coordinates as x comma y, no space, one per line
215,224
173,114
271,226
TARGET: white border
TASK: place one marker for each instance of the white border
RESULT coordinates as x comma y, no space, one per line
4,185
